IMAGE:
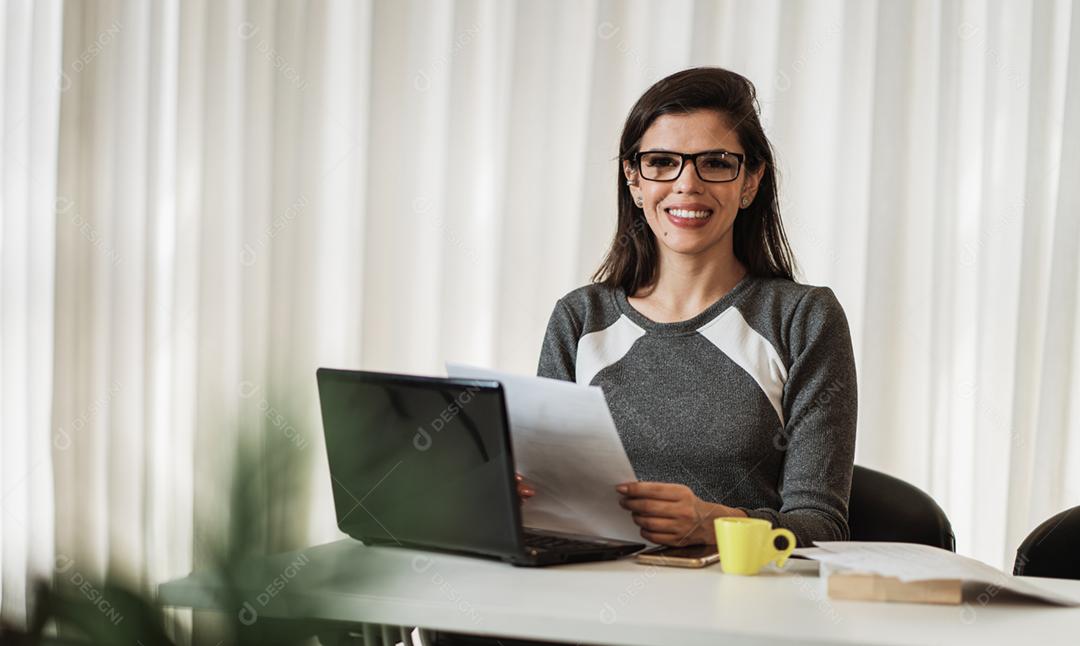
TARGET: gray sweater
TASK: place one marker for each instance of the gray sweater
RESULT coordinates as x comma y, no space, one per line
752,403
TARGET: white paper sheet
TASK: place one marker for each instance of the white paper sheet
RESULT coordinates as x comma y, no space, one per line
912,562
566,446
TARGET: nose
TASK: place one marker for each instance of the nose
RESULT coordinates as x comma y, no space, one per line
688,181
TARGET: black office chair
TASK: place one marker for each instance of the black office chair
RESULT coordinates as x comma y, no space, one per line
1050,550
884,508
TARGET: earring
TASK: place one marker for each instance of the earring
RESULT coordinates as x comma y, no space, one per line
745,202
628,182
639,202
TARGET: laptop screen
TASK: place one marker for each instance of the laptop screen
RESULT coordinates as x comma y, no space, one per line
420,461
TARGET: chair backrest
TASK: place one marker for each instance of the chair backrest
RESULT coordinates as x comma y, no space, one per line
1051,550
884,508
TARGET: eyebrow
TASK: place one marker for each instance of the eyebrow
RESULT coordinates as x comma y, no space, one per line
665,150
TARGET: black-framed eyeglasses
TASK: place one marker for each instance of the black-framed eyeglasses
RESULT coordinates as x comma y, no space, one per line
667,166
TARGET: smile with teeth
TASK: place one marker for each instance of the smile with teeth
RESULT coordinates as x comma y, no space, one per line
689,215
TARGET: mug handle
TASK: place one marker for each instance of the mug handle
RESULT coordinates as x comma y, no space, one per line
781,556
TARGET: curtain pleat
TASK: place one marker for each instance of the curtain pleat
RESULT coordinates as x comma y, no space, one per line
29,102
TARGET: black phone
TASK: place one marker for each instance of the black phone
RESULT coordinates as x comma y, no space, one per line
687,556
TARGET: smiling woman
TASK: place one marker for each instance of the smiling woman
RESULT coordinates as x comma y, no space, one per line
716,364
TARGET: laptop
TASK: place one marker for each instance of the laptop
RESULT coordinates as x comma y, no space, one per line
427,462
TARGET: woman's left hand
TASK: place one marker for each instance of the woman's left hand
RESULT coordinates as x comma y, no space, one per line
671,514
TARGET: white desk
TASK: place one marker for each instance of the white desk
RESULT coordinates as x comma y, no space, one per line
617,602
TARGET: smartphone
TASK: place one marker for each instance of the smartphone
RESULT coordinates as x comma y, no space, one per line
690,556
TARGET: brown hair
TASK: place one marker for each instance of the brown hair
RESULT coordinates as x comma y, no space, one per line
758,239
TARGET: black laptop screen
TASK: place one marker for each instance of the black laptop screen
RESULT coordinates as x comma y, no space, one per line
420,461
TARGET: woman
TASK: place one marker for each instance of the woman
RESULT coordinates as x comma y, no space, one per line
731,385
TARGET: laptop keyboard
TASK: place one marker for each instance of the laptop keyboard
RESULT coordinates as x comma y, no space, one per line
559,543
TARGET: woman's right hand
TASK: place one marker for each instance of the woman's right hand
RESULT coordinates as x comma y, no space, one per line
524,489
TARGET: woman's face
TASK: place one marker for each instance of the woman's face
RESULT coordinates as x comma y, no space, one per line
689,215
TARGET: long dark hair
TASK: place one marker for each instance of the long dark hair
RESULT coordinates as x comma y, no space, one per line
758,239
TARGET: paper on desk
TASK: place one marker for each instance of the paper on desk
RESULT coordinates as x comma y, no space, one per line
913,562
566,446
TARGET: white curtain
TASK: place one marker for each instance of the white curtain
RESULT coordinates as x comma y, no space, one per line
30,93
205,200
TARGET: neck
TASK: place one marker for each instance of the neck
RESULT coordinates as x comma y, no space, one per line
693,282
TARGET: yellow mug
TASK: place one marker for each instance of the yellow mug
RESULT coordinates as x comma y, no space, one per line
747,544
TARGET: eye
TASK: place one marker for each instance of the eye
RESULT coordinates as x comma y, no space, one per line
661,161
719,162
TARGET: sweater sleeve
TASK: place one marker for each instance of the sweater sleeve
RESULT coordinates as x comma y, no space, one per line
559,351
820,410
